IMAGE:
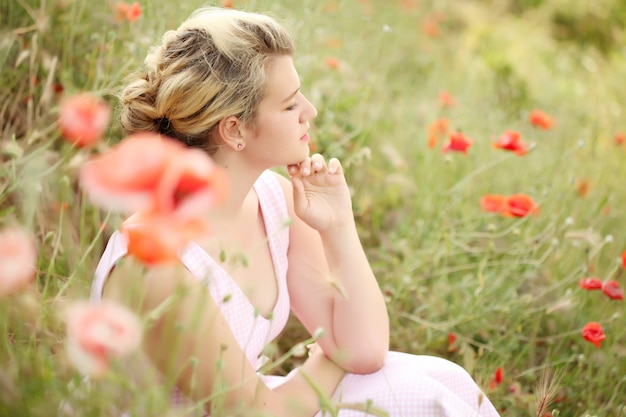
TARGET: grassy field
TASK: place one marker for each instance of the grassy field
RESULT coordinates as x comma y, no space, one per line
497,294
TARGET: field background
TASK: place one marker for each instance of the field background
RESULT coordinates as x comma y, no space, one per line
506,288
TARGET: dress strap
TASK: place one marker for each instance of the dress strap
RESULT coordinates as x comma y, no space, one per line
115,250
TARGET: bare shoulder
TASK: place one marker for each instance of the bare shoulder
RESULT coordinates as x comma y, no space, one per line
142,288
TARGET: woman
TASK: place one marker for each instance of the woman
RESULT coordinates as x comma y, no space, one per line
225,82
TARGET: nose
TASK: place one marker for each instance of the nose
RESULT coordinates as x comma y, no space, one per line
309,112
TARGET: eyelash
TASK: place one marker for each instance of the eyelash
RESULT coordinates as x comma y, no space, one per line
293,106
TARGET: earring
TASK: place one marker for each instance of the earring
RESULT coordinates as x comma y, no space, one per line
240,146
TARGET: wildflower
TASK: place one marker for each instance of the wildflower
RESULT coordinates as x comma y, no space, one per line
436,130
430,27
493,203
451,342
623,256
124,11
18,260
154,238
620,138
593,333
146,172
540,119
458,142
83,119
133,12
612,290
98,332
590,284
169,187
520,205
582,188
511,141
497,379
332,63
446,100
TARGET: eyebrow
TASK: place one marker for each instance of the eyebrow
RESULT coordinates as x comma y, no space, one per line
291,95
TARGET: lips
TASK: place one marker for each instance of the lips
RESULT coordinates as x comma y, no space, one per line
305,137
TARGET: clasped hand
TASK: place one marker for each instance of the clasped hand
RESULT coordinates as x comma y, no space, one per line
320,193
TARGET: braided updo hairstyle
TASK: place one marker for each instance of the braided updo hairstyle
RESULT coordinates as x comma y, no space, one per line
213,66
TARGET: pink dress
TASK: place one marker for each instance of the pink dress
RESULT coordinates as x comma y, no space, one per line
407,385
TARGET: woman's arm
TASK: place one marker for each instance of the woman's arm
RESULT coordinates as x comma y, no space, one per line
325,249
190,343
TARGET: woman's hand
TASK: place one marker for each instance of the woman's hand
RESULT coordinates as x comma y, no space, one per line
320,193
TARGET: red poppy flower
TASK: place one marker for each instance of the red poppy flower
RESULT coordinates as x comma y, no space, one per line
133,12
590,284
451,339
493,203
620,138
624,259
497,379
457,142
83,119
612,290
436,130
583,187
227,4
332,63
446,100
540,119
511,141
430,27
520,205
593,333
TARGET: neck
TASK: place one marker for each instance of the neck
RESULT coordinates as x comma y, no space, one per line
241,178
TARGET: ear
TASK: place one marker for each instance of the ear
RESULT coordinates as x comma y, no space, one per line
231,131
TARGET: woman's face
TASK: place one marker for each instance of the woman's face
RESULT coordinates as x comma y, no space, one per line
279,136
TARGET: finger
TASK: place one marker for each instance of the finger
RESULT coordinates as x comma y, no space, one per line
292,169
334,166
305,167
299,197
318,163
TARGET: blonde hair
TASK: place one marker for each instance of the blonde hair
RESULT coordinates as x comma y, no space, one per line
213,66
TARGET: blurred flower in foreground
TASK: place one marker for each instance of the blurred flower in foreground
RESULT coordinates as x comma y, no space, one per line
612,290
149,173
497,379
83,119
511,141
18,260
520,205
96,333
493,203
540,119
436,130
125,11
457,142
169,188
590,284
593,333
157,238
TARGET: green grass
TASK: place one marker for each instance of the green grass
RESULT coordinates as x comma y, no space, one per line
507,287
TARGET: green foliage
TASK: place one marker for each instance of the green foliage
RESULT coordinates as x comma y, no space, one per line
506,287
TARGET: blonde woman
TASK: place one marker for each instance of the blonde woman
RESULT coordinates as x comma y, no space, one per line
225,82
